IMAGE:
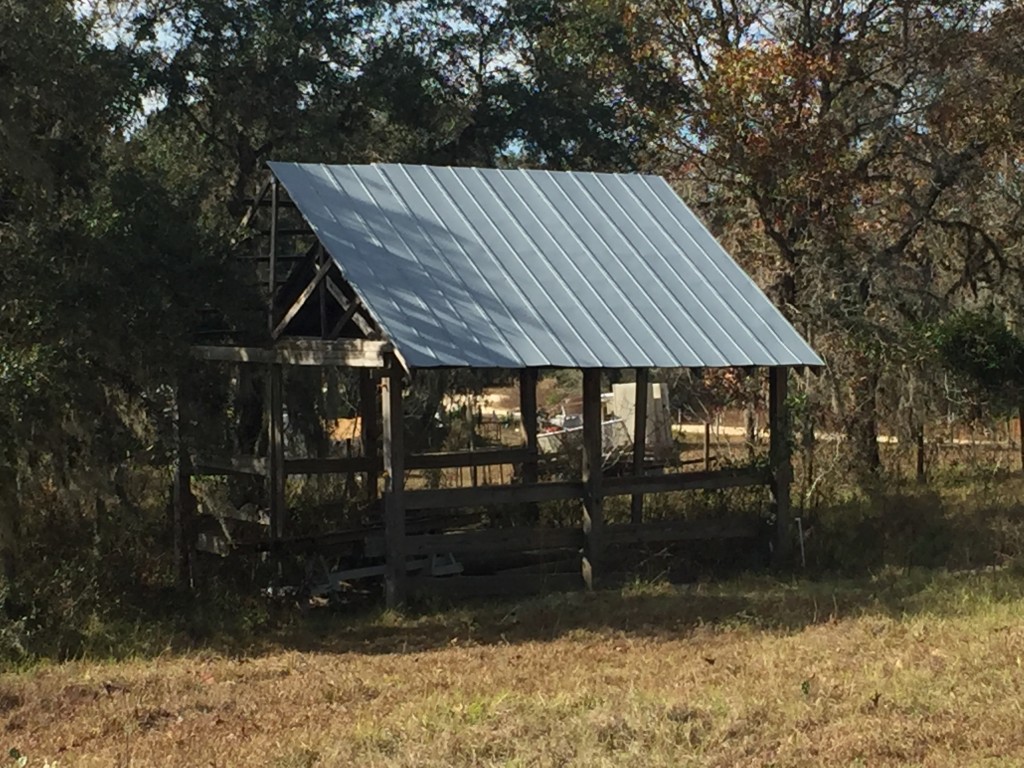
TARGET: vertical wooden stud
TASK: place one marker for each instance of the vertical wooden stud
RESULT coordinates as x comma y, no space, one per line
322,291
528,420
643,386
394,486
471,424
272,267
182,501
707,446
368,410
1020,430
919,473
779,458
275,451
593,461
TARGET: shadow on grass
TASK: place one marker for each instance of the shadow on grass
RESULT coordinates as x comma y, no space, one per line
653,611
907,552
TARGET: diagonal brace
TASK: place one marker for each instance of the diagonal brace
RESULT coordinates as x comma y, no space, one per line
293,310
358,319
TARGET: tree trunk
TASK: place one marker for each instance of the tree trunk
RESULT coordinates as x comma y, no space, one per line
862,424
10,523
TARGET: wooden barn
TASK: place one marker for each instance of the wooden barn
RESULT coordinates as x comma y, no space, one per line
395,269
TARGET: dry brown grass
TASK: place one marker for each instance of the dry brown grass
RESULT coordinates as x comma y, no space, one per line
920,670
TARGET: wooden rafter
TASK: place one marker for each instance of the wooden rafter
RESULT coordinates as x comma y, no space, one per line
256,203
344,320
297,305
364,326
355,353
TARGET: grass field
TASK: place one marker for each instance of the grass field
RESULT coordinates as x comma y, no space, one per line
900,669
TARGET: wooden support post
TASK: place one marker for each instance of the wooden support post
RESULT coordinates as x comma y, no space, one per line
394,488
368,410
592,475
1020,426
919,474
272,277
182,505
182,501
471,425
779,458
707,446
322,258
643,381
528,421
275,451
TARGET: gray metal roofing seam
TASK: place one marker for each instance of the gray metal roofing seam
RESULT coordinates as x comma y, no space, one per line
484,268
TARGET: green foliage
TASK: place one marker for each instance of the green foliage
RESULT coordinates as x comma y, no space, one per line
979,347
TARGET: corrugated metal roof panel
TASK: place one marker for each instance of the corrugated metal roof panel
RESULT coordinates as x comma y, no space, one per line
510,269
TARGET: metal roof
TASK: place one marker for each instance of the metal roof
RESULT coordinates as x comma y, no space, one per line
511,269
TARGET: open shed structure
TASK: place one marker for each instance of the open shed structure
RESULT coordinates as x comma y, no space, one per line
416,267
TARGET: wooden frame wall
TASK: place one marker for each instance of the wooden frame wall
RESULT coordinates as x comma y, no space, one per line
381,405
593,536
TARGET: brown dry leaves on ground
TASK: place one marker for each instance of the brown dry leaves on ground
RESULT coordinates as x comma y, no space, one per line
922,672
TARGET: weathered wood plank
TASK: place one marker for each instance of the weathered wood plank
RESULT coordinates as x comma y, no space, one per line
361,322
685,481
394,490
182,501
322,295
303,297
352,353
486,495
528,420
291,232
479,458
707,445
257,202
335,465
498,585
780,461
230,465
494,540
592,476
643,378
272,267
683,530
369,409
346,316
275,448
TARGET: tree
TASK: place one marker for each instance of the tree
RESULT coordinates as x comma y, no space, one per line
100,295
840,135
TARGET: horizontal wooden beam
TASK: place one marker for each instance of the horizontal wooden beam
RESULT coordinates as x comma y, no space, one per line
441,460
480,458
292,232
231,465
498,585
354,353
665,531
266,203
684,481
331,466
494,540
486,495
